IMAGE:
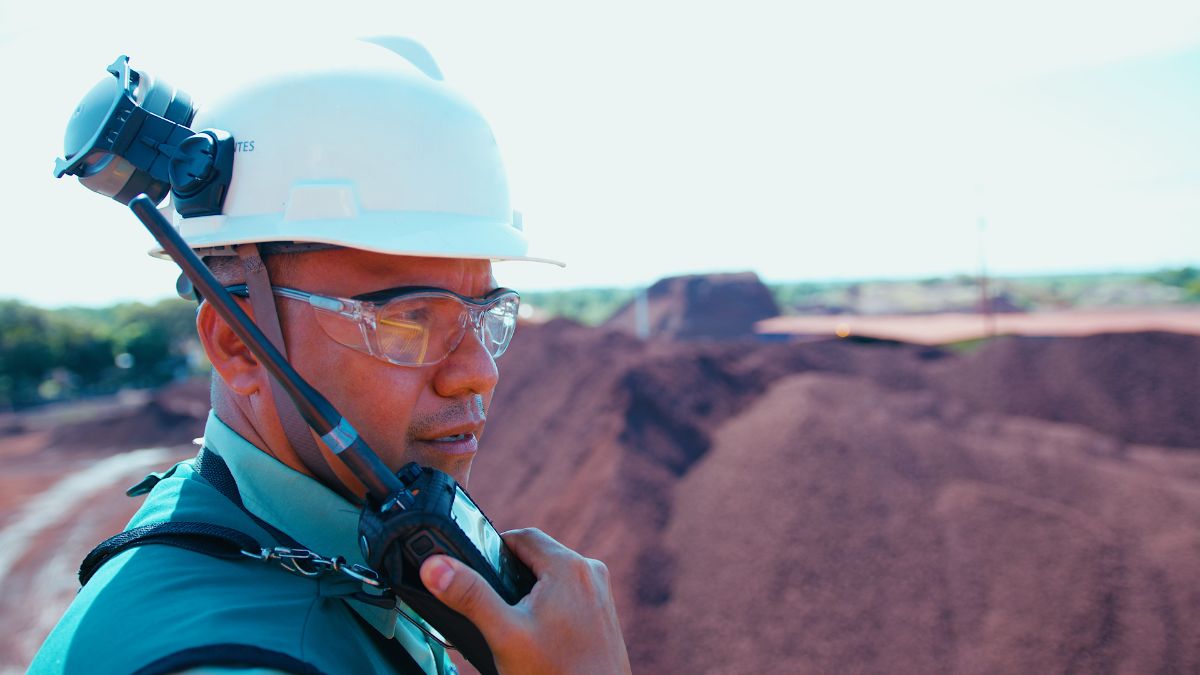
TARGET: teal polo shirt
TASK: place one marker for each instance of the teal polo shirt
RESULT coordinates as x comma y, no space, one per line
153,603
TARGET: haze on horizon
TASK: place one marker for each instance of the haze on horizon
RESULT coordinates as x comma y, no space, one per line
801,141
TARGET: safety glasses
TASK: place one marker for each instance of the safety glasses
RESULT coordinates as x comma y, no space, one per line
411,325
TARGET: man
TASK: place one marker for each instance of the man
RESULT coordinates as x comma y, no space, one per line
366,205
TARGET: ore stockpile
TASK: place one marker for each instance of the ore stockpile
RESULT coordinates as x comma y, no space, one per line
827,506
835,507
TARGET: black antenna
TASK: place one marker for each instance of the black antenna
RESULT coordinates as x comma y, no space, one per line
382,485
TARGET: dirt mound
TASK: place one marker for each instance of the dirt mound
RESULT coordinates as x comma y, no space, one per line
171,416
713,306
1138,387
838,527
837,507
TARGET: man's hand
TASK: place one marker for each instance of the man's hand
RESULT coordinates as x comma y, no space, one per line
567,623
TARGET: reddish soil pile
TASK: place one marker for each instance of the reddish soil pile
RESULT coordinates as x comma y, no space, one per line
832,506
172,415
1139,388
712,306
841,507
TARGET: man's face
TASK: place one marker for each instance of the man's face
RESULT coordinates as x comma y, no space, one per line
401,411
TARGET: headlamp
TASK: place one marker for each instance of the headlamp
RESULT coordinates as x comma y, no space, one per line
129,135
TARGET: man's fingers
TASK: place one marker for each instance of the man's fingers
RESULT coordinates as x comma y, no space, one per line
567,624
537,549
462,589
548,559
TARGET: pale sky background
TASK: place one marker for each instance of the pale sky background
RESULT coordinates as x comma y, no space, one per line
801,140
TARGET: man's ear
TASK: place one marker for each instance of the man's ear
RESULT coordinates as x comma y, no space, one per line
234,363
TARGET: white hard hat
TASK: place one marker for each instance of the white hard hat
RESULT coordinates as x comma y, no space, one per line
363,146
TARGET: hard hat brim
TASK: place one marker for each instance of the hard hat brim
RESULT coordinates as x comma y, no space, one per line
430,235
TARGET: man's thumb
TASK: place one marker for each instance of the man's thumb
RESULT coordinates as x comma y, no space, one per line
462,589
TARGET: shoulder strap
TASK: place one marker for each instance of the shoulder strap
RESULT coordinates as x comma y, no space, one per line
213,469
235,656
206,538
214,540
226,543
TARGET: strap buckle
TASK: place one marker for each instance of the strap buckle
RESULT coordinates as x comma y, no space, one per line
306,563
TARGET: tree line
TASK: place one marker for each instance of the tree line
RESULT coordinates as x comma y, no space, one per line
50,355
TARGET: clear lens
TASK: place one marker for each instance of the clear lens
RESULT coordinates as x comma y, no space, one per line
425,329
340,322
498,325
415,330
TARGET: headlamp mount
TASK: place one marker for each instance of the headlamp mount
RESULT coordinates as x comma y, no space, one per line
130,135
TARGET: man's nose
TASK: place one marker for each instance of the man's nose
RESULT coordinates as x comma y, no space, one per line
469,368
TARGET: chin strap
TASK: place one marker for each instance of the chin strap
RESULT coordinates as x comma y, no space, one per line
262,301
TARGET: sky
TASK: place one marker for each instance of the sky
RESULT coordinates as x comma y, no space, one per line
800,140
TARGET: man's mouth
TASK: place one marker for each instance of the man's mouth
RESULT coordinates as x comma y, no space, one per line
464,443
451,439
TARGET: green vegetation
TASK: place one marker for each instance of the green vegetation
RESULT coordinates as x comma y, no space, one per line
589,306
49,355
962,293
967,346
1187,279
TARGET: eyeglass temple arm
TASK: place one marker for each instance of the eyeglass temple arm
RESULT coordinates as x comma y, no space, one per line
382,485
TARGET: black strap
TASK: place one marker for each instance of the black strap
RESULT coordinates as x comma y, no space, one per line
228,656
206,538
214,540
213,469
226,543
